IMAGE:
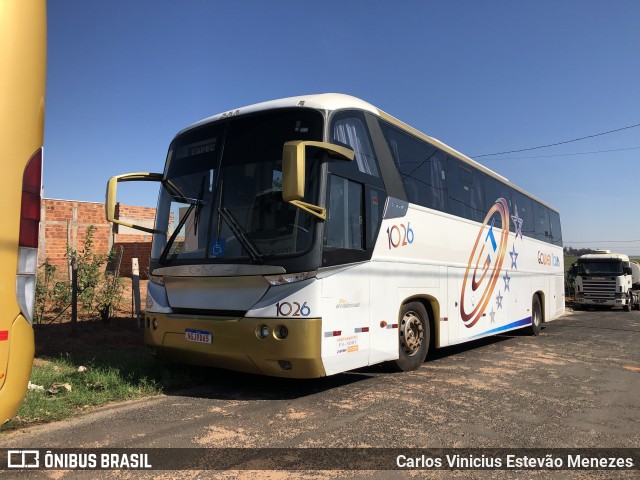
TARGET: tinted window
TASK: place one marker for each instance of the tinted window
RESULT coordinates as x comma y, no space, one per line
351,131
523,211
228,201
542,225
376,200
493,190
422,168
465,190
344,226
556,231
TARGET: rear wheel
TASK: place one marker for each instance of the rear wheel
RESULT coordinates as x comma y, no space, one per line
414,336
536,316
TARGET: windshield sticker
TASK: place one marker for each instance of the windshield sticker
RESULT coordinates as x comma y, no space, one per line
276,181
300,128
217,247
198,148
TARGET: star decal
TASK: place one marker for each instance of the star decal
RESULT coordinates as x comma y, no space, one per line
492,314
517,221
498,300
506,279
514,257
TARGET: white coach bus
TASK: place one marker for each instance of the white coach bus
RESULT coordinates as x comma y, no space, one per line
313,235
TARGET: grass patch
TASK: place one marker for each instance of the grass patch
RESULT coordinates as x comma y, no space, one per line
95,366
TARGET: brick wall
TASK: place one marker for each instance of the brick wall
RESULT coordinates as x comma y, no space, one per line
129,250
65,222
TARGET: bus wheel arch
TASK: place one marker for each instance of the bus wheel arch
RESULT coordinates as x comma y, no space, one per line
415,333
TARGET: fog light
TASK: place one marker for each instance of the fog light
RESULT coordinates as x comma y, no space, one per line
285,364
283,332
264,331
155,324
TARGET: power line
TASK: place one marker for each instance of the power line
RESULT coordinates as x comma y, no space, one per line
570,154
558,143
605,241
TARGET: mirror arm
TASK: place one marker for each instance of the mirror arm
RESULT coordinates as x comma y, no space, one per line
319,212
110,201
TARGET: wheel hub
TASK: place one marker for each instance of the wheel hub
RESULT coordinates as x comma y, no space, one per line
412,333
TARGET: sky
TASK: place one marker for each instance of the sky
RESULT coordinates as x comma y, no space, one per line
482,76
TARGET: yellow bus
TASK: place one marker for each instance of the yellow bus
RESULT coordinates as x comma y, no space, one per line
23,50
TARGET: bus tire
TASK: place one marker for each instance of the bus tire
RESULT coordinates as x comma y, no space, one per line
536,316
414,336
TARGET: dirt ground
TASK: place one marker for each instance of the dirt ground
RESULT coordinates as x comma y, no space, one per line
90,333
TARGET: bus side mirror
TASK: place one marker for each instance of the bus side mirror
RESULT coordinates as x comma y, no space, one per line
110,200
293,171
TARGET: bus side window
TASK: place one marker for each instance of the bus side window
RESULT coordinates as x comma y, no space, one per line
466,190
495,189
374,210
353,133
543,226
524,207
344,226
556,231
422,168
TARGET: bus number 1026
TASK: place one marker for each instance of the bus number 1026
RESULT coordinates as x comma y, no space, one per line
399,235
286,309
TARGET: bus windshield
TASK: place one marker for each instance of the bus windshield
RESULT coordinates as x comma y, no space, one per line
222,191
600,267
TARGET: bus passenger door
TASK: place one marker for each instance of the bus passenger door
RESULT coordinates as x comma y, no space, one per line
345,277
345,319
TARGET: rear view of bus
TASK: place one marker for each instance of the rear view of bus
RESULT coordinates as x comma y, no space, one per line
23,38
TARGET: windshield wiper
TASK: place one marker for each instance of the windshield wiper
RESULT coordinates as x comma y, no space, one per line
240,234
175,233
194,204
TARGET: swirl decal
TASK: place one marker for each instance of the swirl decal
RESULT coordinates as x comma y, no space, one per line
485,263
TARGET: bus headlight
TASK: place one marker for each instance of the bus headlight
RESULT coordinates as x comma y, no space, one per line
286,278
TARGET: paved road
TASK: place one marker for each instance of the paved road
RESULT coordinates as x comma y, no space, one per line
577,385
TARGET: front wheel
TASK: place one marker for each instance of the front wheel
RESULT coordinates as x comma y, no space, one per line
629,306
536,316
414,336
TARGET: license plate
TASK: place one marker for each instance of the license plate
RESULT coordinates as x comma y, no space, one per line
197,336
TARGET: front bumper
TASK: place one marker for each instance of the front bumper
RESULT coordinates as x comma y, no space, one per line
236,344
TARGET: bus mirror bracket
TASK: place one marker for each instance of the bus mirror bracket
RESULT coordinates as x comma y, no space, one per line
293,171
110,201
